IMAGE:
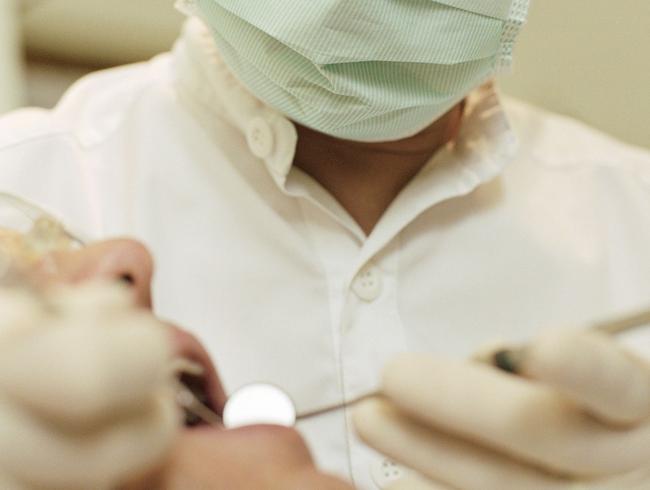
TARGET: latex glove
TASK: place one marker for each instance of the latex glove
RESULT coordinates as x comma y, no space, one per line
86,399
577,420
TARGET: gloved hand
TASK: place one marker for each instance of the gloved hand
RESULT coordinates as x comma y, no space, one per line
577,419
86,396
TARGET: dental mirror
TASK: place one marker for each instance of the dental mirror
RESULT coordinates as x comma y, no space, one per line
253,404
259,404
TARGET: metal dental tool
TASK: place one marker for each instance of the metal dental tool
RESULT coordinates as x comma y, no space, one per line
263,403
510,360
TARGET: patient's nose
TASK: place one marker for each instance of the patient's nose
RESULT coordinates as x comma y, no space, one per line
127,261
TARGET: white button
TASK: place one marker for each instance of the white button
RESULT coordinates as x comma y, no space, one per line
367,284
386,472
260,138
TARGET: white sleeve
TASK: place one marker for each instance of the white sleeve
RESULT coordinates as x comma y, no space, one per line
44,165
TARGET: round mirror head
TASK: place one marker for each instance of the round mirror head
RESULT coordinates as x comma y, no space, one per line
259,404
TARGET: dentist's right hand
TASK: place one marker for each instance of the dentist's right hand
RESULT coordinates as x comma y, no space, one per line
204,458
87,401
86,393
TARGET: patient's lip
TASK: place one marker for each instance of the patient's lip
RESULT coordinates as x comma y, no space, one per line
196,368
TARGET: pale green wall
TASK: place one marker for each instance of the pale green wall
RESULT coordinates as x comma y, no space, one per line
100,32
11,81
589,59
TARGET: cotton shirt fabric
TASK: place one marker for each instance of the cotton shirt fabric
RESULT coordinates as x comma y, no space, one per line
528,221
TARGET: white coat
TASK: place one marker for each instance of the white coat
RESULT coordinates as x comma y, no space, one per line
528,221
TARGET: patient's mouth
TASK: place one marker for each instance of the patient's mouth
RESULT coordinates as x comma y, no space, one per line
200,385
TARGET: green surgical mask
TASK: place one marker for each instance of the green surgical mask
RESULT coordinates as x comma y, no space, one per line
364,70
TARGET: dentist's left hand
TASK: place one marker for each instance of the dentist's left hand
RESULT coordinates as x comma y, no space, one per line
578,418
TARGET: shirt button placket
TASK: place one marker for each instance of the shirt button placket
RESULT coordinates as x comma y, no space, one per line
368,283
386,472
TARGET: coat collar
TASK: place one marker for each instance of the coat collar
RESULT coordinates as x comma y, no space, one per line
484,146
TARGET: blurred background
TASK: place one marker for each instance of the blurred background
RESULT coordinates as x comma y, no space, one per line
584,58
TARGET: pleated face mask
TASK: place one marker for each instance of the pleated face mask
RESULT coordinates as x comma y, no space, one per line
363,70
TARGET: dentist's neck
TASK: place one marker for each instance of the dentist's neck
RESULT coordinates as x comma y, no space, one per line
366,177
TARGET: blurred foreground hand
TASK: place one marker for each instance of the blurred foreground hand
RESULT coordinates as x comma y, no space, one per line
87,392
577,419
86,396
